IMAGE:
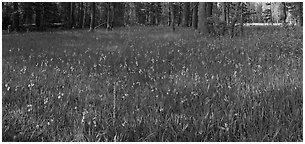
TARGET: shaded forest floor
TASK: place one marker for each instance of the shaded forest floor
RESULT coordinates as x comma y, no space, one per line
152,84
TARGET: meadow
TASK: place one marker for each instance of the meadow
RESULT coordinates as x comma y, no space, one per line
152,84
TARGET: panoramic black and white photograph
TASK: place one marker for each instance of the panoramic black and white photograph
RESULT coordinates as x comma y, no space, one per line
152,71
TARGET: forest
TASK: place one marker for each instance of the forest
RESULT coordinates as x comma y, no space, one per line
35,16
152,71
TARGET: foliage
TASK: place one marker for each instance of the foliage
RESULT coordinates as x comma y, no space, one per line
296,10
267,15
152,84
247,13
6,11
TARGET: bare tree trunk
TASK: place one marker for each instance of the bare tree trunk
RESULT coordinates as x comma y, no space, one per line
169,15
179,14
108,15
271,13
132,14
84,15
112,16
39,16
186,9
209,9
223,16
241,20
72,18
284,17
41,27
92,22
68,16
80,15
301,13
234,20
172,16
151,15
209,12
16,17
195,15
227,12
202,18
118,14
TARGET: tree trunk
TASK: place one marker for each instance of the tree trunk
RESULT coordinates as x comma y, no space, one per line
180,13
16,17
132,15
223,12
108,15
41,27
118,14
84,15
28,13
39,16
209,9
159,13
234,20
209,12
271,13
186,17
151,15
80,15
227,12
202,18
112,16
284,17
241,20
195,16
74,20
301,13
223,18
92,21
172,16
68,15
169,15
71,17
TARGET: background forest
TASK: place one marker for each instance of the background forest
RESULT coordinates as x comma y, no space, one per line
67,15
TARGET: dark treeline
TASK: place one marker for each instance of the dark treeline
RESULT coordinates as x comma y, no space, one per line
209,17
68,15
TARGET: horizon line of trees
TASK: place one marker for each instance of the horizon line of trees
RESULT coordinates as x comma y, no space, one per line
207,17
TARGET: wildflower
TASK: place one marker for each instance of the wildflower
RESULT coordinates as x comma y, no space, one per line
30,107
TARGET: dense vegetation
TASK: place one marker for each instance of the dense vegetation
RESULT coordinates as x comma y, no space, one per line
45,16
152,84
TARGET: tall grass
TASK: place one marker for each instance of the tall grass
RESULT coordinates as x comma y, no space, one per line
152,84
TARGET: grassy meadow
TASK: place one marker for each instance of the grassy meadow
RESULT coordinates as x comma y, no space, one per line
152,84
